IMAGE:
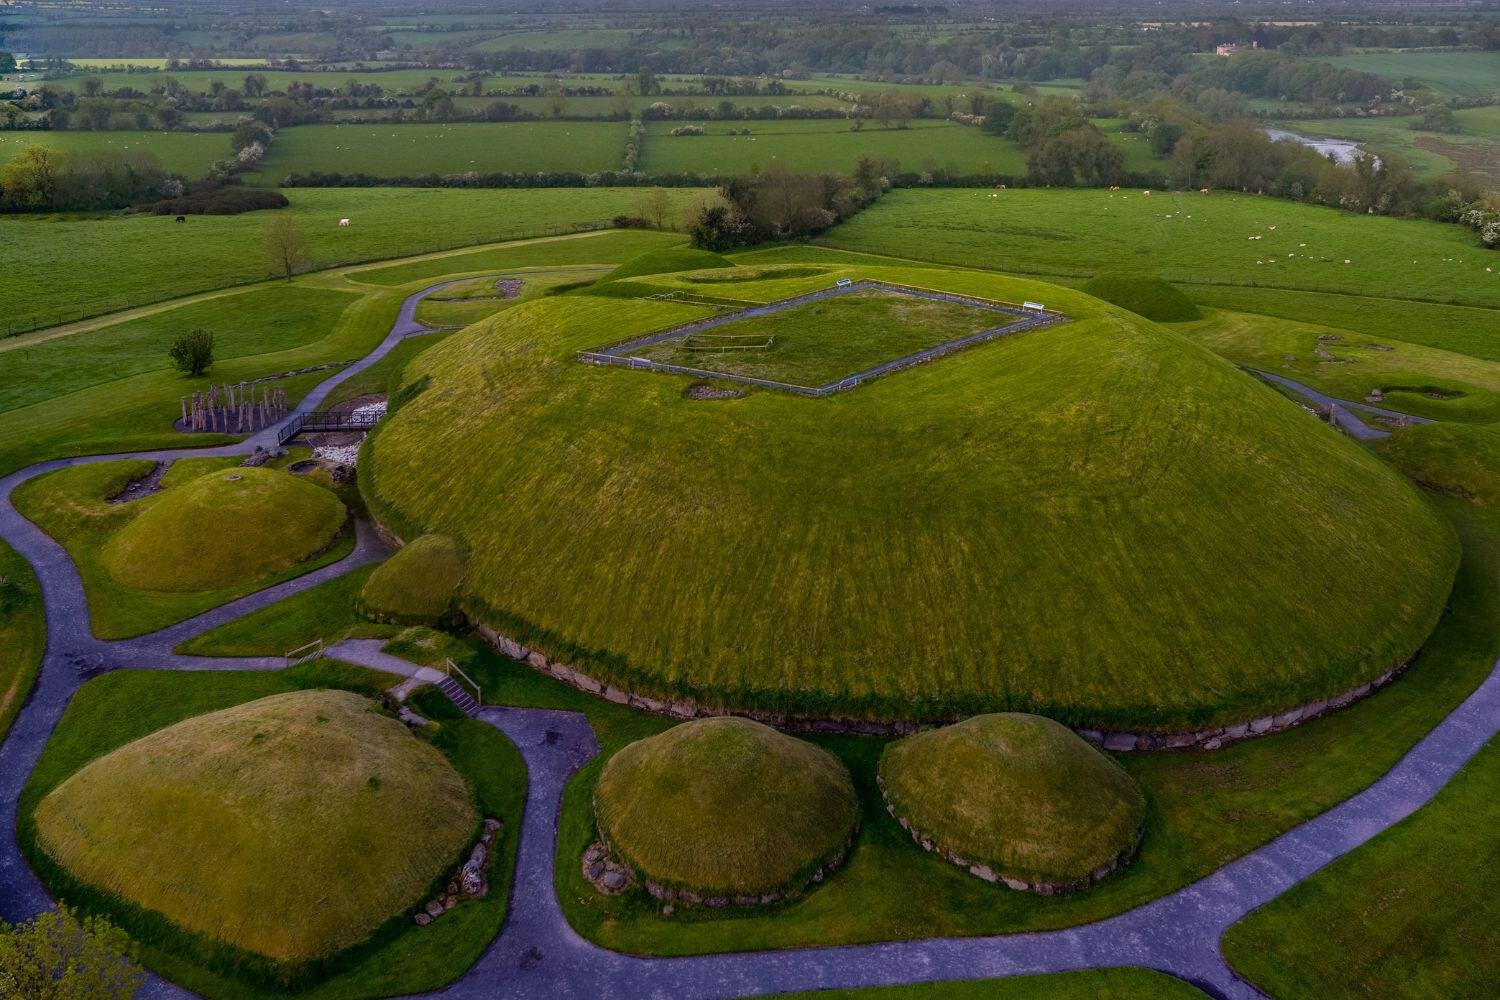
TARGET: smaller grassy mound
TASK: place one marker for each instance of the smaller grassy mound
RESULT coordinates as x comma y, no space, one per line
1019,795
416,586
1144,295
1451,458
667,261
291,826
726,809
223,528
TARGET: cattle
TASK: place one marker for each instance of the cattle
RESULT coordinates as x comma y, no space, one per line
181,218
1203,192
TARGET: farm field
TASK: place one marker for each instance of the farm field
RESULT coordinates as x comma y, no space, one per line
141,259
1184,237
1460,74
187,153
826,146
1476,150
198,81
409,150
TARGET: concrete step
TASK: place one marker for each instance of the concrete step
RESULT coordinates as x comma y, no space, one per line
458,695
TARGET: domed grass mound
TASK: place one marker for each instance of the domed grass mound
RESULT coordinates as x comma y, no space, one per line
1098,521
224,528
1145,295
1460,459
726,809
416,586
667,262
1015,797
290,827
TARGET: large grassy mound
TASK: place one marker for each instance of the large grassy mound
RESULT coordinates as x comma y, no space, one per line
1452,458
292,826
1099,521
725,808
1143,294
223,528
416,586
668,261
1018,794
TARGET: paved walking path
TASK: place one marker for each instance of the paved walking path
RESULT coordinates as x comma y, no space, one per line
537,954
1346,412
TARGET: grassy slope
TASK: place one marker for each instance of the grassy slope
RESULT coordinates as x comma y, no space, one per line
23,633
229,823
139,259
326,612
602,248
614,469
1353,368
1205,240
1450,458
416,585
186,153
725,807
119,707
812,343
1019,793
1203,810
415,150
1413,913
1095,984
443,310
71,506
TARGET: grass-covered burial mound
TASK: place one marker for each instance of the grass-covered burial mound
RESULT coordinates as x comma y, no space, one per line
1098,521
1015,797
224,528
290,827
726,809
417,585
1143,294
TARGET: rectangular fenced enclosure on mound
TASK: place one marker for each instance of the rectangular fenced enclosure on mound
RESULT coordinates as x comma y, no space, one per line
826,341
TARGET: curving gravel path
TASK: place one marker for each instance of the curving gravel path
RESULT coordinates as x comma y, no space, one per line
537,954
1347,413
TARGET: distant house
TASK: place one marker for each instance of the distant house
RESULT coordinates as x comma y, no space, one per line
1227,49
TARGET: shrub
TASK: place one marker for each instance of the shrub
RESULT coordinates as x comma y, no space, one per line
55,954
193,351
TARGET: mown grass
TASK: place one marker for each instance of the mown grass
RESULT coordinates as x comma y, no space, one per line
1463,461
446,309
598,248
820,342
23,633
1143,295
410,150
187,153
1018,793
1412,913
228,824
826,145
1093,984
1202,810
223,529
416,586
1060,521
725,808
72,506
1462,74
138,259
1413,379
668,262
1186,238
398,958
328,611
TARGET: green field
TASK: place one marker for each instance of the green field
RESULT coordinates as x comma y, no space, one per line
416,150
610,472
186,153
1185,237
1475,150
1410,914
826,145
198,81
139,259
23,633
1460,74
810,344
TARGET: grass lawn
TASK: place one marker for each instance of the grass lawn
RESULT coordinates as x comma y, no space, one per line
826,145
71,506
1449,458
1460,74
817,343
401,150
133,260
1185,237
327,611
1413,913
23,633
228,823
398,958
1413,379
1028,522
1094,984
464,304
187,153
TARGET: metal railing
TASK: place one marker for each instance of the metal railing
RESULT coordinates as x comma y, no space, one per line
327,420
303,654
450,668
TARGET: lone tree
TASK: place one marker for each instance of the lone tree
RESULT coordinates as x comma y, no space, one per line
55,956
286,246
192,352
654,205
